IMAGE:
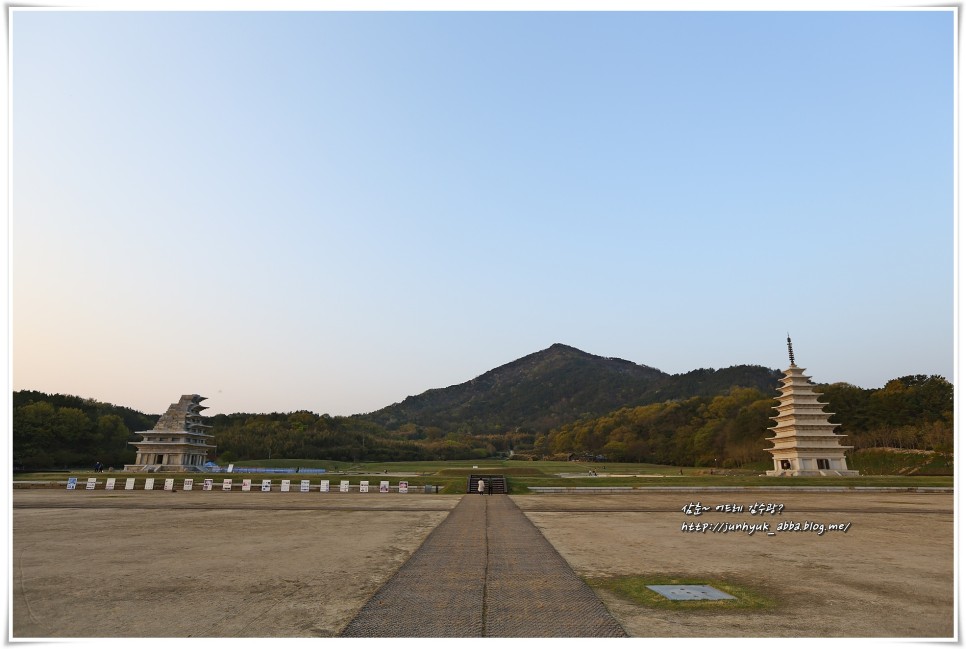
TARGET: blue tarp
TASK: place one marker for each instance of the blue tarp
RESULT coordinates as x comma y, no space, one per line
214,468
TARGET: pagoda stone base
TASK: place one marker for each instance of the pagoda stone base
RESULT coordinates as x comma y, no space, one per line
829,473
163,468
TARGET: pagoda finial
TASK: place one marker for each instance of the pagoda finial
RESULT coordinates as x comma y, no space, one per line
791,354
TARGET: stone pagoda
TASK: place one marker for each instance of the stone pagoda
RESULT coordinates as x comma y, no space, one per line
804,442
178,442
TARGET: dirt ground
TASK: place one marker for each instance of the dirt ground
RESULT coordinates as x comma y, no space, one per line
890,575
212,564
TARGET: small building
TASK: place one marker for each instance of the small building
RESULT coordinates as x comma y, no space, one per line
804,441
178,442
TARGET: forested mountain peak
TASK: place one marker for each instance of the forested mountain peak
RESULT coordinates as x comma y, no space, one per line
558,400
554,386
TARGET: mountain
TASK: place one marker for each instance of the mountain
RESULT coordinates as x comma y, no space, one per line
556,386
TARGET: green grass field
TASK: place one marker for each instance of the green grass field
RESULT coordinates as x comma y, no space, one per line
634,588
450,476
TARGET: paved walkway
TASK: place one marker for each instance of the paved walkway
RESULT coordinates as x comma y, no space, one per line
485,571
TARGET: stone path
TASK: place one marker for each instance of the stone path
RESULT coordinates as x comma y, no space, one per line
485,571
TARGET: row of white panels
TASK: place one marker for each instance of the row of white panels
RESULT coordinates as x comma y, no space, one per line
208,484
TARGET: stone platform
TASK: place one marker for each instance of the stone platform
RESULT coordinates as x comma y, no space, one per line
485,571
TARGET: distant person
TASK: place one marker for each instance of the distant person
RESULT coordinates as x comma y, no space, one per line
489,488
480,486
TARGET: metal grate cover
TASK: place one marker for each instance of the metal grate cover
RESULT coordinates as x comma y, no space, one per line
691,592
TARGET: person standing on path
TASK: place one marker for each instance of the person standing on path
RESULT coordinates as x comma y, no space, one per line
479,486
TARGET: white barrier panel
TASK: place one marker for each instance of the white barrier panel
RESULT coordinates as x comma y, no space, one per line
286,484
344,486
304,486
247,484
324,486
149,484
364,487
169,484
226,485
404,487
110,484
71,484
129,483
383,486
208,484
91,483
266,485
189,484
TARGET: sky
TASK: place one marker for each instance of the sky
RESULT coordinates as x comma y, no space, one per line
333,211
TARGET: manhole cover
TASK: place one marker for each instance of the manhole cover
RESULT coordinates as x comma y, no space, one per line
690,592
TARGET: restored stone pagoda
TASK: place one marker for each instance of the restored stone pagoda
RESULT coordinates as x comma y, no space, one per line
804,444
178,442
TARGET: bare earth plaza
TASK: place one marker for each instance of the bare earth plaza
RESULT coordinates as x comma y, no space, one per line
235,564
230,557
412,323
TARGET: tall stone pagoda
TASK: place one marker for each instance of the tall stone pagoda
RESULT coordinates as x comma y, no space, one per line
804,444
178,442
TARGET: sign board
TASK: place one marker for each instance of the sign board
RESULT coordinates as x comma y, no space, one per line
71,484
226,485
110,484
266,485
286,484
169,484
324,486
231,468
91,483
247,484
189,484
344,486
404,487
384,486
364,487
304,486
690,592
207,484
149,484
129,483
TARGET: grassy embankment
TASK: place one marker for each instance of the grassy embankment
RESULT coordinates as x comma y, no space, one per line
906,470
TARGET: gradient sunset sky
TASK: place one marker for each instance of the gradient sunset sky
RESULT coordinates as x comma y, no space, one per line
332,211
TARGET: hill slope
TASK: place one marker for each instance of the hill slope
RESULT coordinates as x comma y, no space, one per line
556,386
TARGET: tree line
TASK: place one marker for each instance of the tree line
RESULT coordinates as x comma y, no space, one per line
729,430
59,431
910,412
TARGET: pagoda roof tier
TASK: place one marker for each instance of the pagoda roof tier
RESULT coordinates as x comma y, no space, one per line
806,435
807,409
814,422
155,431
800,442
799,452
799,431
814,415
178,414
803,397
152,444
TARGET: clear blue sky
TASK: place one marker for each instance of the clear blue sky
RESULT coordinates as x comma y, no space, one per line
333,211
